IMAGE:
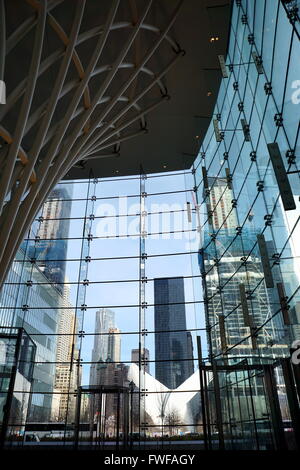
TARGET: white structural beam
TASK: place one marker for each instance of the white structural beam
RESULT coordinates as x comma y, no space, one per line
44,145
22,186
26,104
2,39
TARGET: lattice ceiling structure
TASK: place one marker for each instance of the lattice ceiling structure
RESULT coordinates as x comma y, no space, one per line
82,77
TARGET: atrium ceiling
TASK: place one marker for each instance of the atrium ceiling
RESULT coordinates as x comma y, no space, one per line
153,131
99,89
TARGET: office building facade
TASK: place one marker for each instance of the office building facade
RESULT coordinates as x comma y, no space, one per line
225,274
114,345
34,306
107,341
50,231
172,348
40,300
67,370
143,356
247,245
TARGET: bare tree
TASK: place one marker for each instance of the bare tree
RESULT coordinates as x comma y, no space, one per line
162,401
173,421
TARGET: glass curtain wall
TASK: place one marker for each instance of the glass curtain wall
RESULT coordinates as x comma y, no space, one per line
127,285
107,284
250,254
247,179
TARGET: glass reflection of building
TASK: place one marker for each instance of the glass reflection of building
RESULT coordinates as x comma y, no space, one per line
225,246
244,192
17,357
242,195
33,297
173,349
106,370
51,238
35,308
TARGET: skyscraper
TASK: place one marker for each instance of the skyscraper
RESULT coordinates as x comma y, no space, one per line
145,356
106,346
225,278
108,67
42,277
66,373
36,309
107,370
51,233
220,199
114,345
171,345
112,376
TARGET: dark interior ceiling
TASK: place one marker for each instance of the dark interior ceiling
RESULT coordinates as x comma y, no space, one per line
176,128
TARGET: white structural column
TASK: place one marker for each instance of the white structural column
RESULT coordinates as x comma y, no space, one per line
26,104
2,39
21,188
39,142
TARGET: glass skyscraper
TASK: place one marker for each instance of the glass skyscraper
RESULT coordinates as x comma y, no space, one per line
226,274
173,349
245,199
36,309
51,235
34,297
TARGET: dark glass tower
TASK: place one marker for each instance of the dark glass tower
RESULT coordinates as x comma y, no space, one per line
171,346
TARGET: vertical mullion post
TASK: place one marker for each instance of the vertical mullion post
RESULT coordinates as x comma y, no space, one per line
292,397
218,406
77,419
203,404
274,407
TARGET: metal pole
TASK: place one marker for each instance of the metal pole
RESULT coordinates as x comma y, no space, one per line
252,406
203,407
125,418
118,421
292,397
77,419
218,406
274,405
100,417
207,408
8,404
131,417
